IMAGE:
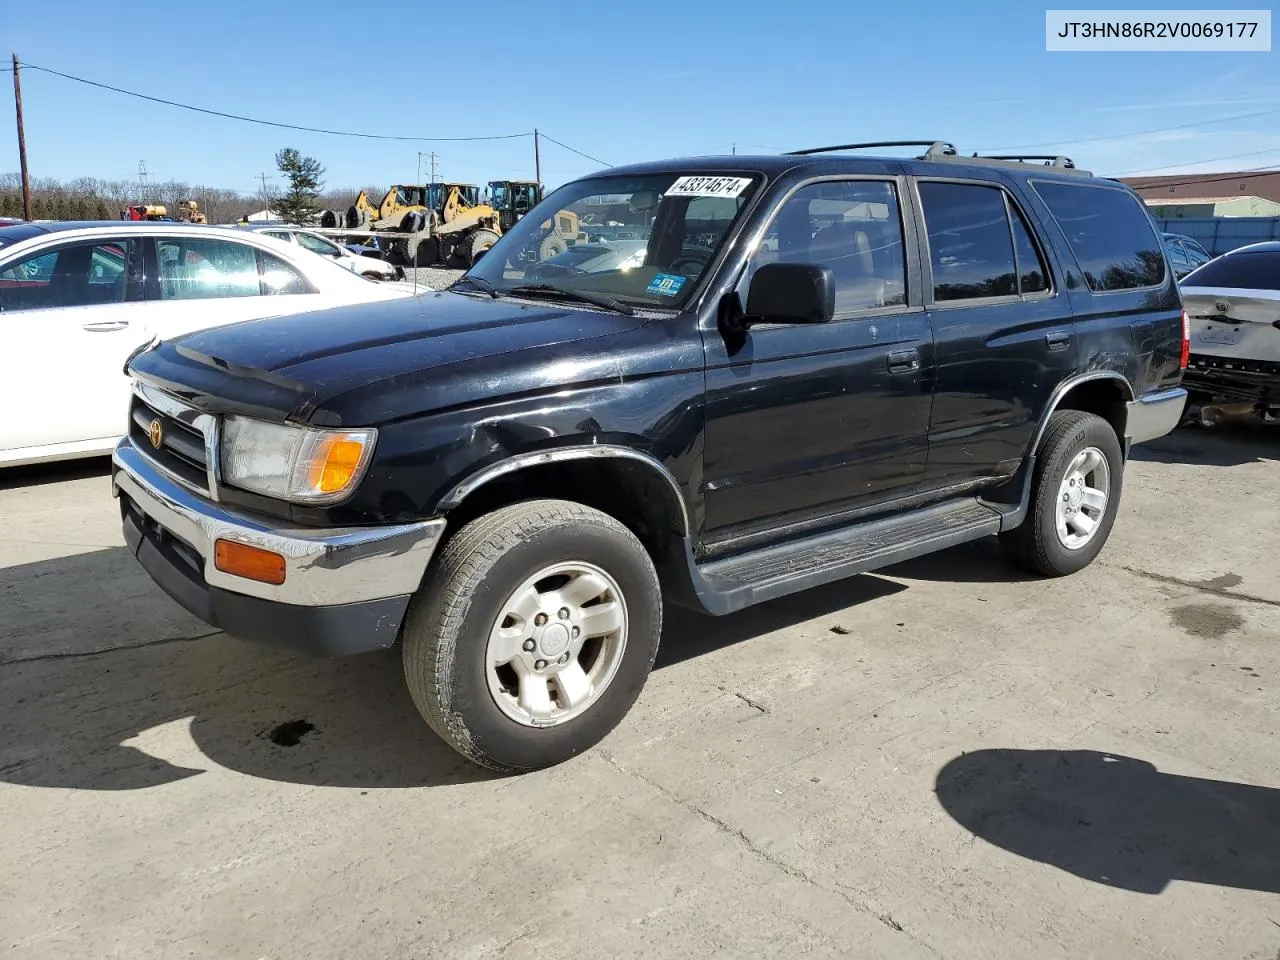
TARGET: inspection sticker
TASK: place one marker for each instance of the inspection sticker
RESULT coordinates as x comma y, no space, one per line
708,186
666,284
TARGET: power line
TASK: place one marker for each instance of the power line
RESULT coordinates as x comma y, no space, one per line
1138,133
270,123
578,152
1192,163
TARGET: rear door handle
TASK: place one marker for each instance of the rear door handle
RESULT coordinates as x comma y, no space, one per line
1057,339
106,326
904,361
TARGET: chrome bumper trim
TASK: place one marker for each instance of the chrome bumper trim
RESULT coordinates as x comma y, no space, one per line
1154,414
322,567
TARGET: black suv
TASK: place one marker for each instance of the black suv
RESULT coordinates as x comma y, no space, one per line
820,364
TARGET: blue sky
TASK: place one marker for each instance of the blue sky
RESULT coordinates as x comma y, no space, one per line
619,81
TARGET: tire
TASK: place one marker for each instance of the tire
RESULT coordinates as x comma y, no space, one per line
411,222
1037,544
329,220
551,246
481,241
357,218
446,650
427,253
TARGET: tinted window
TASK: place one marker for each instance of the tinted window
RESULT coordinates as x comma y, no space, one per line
194,268
854,228
77,275
970,246
1110,234
1177,256
1033,277
1244,271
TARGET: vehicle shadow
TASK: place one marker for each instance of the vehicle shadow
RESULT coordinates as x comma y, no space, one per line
37,474
1230,444
1116,820
978,561
90,702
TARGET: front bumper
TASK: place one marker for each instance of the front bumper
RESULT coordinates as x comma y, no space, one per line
1154,414
345,590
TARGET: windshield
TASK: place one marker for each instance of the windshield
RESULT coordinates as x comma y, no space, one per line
642,241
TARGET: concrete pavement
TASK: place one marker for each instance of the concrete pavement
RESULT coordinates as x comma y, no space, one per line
945,759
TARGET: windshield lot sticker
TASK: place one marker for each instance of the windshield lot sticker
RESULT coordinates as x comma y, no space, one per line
666,284
708,186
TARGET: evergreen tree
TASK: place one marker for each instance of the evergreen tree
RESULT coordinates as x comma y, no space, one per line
299,204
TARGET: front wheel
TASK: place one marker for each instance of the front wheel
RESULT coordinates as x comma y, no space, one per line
1074,496
533,635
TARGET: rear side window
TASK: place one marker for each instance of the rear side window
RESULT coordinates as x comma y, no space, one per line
1109,233
979,244
204,268
1244,271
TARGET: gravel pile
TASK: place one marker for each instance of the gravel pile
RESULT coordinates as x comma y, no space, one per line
437,278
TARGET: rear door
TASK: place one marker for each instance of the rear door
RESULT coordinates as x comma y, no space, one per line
1004,336
210,281
70,315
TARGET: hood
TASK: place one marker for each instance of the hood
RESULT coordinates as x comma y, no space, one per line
291,366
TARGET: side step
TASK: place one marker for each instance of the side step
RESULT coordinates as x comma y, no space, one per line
775,571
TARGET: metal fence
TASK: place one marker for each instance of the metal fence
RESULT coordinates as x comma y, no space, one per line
1221,234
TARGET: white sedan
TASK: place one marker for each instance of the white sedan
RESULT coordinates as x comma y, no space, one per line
369,267
77,299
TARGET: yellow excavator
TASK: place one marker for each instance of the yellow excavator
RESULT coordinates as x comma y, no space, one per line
447,223
424,223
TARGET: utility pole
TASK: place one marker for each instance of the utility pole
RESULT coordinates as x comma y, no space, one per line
433,166
22,143
537,159
142,180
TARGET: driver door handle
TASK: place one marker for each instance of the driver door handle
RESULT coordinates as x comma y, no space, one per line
105,326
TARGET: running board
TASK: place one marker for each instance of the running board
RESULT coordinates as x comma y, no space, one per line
775,571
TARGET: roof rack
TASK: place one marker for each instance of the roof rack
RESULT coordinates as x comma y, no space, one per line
937,148
1049,160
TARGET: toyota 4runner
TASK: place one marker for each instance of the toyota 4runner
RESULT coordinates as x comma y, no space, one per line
821,364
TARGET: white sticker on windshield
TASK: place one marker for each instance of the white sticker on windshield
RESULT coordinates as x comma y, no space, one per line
708,186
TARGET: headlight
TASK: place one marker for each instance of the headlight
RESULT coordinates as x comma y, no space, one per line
294,463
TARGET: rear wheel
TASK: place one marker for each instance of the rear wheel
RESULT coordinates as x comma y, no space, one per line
1074,496
534,634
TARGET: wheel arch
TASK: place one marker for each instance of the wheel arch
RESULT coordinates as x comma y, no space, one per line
628,484
1105,393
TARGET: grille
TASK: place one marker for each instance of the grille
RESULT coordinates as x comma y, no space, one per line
182,452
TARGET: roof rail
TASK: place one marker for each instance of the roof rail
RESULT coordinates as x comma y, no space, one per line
937,148
1050,160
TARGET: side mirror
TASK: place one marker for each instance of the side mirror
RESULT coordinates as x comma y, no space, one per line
791,293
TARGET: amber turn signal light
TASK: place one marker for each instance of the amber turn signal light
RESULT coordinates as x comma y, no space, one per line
252,563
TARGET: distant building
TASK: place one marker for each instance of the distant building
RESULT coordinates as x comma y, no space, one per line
1263,185
1187,208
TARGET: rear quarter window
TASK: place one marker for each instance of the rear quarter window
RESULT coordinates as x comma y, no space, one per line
1244,271
1110,234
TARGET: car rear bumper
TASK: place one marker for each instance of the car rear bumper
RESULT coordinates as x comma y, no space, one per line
1154,414
345,591
1234,379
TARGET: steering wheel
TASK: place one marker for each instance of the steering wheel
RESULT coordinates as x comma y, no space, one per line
698,260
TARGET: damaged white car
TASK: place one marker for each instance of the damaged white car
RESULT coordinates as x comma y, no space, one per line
1233,307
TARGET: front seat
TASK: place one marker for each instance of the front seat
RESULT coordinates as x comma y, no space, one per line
847,251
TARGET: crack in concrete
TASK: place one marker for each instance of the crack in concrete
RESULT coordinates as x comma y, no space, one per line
751,703
1203,586
762,854
37,658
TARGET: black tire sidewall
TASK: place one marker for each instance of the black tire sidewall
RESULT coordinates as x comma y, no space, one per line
1092,432
515,745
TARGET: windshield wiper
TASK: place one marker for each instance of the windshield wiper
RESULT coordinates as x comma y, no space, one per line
550,290
479,283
